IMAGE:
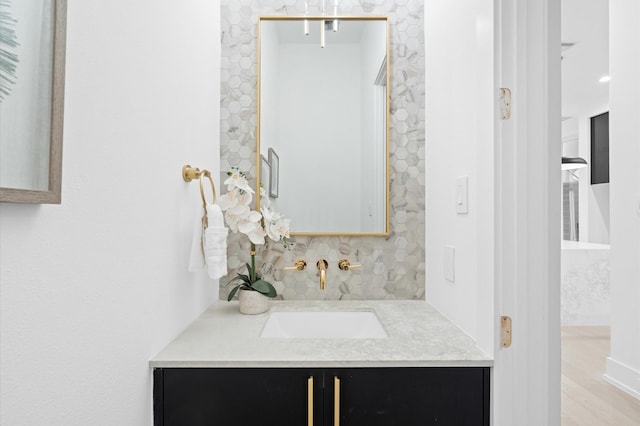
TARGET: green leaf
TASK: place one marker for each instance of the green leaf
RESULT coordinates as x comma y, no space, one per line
252,274
265,288
244,278
233,292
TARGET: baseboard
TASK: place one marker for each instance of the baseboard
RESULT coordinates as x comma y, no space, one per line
623,377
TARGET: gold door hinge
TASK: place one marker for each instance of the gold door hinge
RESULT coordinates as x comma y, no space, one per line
505,103
505,331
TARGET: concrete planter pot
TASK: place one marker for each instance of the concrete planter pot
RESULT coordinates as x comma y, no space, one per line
253,302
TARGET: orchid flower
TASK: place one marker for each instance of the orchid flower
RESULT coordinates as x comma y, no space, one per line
255,225
275,225
240,218
238,180
233,198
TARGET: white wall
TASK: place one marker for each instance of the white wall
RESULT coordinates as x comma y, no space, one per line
269,100
94,287
269,91
302,129
459,142
587,25
599,214
593,209
623,366
373,176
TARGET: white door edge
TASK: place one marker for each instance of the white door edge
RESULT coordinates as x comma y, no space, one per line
526,376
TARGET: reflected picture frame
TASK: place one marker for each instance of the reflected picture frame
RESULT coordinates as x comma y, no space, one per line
265,172
52,164
274,177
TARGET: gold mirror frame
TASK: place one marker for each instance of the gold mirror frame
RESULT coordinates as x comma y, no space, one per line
387,144
53,193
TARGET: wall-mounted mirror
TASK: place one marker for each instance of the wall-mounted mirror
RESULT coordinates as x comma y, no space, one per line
323,108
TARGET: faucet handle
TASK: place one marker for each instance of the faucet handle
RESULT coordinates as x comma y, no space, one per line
299,265
345,265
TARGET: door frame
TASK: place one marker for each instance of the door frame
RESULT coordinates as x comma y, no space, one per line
526,376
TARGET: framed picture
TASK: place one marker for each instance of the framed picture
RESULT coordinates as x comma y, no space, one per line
265,173
32,42
274,182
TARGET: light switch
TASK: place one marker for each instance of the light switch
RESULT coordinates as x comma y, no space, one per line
462,195
450,263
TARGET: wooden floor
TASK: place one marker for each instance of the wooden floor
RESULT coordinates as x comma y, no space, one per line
586,398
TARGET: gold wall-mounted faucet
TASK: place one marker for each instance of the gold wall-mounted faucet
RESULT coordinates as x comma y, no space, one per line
322,267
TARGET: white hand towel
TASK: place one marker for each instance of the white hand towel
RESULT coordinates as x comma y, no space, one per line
196,259
215,243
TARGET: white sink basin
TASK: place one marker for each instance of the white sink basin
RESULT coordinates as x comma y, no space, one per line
324,325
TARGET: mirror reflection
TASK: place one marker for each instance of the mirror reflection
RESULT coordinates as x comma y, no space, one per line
323,115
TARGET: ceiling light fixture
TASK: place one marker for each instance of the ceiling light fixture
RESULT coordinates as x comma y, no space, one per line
605,79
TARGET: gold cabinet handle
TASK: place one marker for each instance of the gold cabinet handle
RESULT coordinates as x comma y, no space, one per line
310,401
336,401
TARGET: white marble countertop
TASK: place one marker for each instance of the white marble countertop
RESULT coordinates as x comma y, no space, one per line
418,336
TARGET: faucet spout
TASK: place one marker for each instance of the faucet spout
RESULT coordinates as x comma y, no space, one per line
322,267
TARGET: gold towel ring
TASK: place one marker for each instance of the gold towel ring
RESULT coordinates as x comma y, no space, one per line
213,189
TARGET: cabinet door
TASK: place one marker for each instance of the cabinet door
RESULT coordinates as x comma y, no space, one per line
236,396
409,396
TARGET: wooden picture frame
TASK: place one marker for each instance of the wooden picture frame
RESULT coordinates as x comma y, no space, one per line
49,169
274,181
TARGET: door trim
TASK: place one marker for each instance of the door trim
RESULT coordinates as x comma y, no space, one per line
526,376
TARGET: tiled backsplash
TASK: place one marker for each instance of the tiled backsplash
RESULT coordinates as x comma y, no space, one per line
393,266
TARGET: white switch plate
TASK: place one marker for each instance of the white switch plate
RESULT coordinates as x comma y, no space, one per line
450,263
462,195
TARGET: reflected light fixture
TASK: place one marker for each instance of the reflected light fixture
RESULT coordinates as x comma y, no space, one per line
306,21
573,163
569,164
325,24
605,79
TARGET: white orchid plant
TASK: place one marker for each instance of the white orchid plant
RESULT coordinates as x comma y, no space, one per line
255,225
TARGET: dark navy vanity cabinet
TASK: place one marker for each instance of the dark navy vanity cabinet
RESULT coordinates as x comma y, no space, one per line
334,396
